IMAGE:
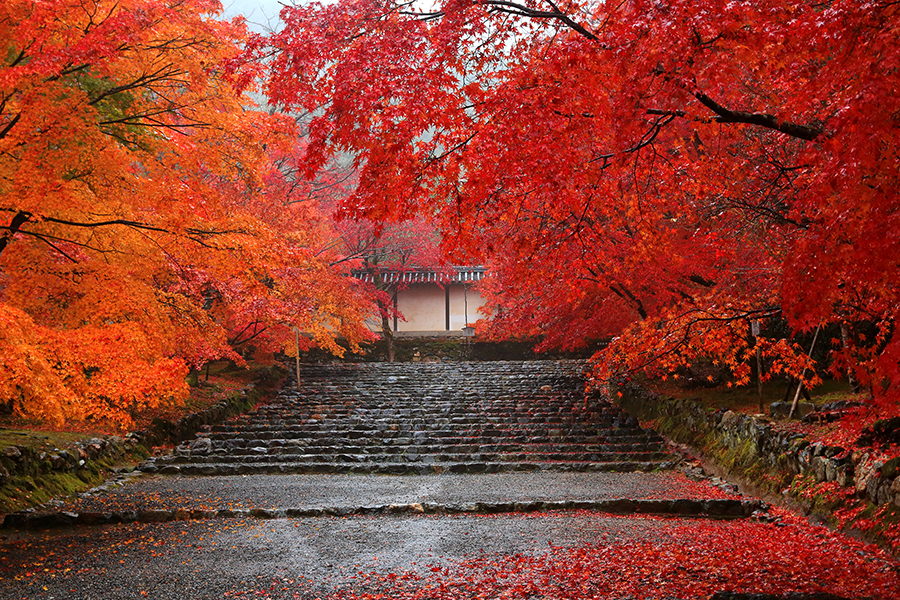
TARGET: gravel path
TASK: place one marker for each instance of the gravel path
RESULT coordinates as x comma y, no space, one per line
300,491
311,558
193,560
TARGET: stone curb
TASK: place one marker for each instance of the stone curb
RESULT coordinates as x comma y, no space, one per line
716,509
788,596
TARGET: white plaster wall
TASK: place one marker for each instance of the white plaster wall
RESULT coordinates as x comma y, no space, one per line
423,308
460,298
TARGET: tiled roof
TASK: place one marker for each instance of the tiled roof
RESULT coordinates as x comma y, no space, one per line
420,275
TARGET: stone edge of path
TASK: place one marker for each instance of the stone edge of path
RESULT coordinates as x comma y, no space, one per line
714,508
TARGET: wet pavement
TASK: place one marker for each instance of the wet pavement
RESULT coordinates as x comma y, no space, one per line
210,559
338,557
307,491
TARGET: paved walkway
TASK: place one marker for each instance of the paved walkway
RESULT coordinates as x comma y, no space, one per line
303,558
309,491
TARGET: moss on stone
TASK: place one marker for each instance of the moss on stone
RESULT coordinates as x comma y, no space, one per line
22,491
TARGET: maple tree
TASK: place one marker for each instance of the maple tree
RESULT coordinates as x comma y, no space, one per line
661,173
373,248
392,248
144,227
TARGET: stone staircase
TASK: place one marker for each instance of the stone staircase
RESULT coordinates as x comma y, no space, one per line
419,418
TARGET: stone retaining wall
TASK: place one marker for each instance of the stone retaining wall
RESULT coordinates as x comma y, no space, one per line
24,461
752,446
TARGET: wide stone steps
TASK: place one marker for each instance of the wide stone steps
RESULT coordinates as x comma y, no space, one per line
482,436
303,447
417,419
410,456
409,468
383,424
474,414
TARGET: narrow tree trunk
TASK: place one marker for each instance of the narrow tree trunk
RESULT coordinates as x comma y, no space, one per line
388,335
386,331
759,388
755,331
847,344
802,375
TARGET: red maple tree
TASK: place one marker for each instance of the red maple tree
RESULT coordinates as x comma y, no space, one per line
660,173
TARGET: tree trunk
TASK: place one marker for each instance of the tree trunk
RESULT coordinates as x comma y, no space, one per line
386,331
388,335
802,375
846,341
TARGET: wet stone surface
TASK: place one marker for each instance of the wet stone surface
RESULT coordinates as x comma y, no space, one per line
312,558
157,492
203,559
425,418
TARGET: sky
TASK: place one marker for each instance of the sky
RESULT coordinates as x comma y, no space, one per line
260,14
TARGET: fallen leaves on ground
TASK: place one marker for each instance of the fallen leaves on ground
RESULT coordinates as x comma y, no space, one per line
687,561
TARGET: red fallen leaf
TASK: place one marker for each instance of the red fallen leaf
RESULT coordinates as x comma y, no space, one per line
666,558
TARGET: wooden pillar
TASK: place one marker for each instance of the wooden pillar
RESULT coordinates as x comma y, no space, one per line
396,318
447,307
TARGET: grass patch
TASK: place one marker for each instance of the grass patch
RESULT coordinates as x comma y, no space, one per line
746,399
215,382
41,440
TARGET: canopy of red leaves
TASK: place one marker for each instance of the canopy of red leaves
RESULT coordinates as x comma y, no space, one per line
658,173
145,227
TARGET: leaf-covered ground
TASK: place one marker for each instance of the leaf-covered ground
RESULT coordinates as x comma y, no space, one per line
572,555
688,560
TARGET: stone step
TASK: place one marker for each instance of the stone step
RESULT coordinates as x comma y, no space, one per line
412,418
262,420
413,457
303,446
423,406
681,507
262,423
389,431
226,469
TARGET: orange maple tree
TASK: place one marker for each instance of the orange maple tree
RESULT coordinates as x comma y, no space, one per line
661,173
144,228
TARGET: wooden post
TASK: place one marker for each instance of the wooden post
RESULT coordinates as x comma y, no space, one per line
297,341
802,375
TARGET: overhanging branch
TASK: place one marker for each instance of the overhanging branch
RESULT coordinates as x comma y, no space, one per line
724,115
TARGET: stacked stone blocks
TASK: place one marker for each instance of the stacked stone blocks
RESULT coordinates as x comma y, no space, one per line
417,418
